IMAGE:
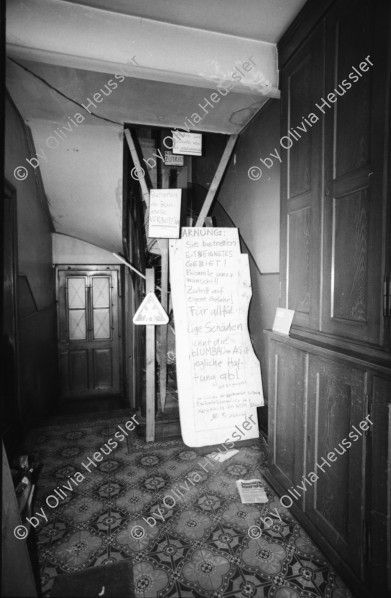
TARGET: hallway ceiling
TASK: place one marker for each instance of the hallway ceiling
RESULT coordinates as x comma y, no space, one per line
173,55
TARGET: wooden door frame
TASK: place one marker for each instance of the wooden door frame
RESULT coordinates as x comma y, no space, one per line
11,407
120,294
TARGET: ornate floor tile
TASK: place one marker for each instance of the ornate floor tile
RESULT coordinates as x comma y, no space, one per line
81,509
77,550
134,501
264,556
241,517
150,580
207,571
192,525
136,536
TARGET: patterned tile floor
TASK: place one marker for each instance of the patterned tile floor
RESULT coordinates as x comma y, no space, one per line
198,546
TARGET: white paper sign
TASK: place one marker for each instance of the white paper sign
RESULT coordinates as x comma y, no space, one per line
283,320
219,376
189,144
164,213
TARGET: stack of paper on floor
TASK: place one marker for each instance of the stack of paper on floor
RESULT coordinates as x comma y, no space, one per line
251,491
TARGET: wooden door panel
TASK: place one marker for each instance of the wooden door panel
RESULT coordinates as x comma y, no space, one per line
301,85
350,259
102,368
353,42
78,371
89,332
336,401
352,208
299,250
287,414
300,179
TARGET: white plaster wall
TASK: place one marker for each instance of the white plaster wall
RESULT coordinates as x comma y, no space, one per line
82,177
67,250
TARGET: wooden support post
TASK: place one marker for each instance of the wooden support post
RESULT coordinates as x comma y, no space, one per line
150,364
163,329
216,180
163,182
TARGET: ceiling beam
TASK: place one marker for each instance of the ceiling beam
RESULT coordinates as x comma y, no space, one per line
63,34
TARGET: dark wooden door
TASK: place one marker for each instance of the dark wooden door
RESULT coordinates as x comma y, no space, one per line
88,320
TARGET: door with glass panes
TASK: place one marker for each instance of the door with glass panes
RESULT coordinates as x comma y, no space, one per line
88,327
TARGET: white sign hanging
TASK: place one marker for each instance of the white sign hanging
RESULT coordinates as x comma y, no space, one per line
150,312
164,213
189,144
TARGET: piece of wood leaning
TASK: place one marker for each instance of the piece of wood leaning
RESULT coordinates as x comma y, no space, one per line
216,180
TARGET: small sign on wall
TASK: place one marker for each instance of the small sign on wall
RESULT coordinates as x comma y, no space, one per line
171,160
150,312
189,144
283,320
164,213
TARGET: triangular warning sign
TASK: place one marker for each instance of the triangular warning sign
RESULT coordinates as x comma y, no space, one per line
150,312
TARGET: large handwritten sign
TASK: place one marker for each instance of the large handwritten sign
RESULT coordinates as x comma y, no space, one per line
219,376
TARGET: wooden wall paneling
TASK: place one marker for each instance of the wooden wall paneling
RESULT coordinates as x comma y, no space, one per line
382,185
381,151
302,85
335,250
336,399
352,211
379,527
287,414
